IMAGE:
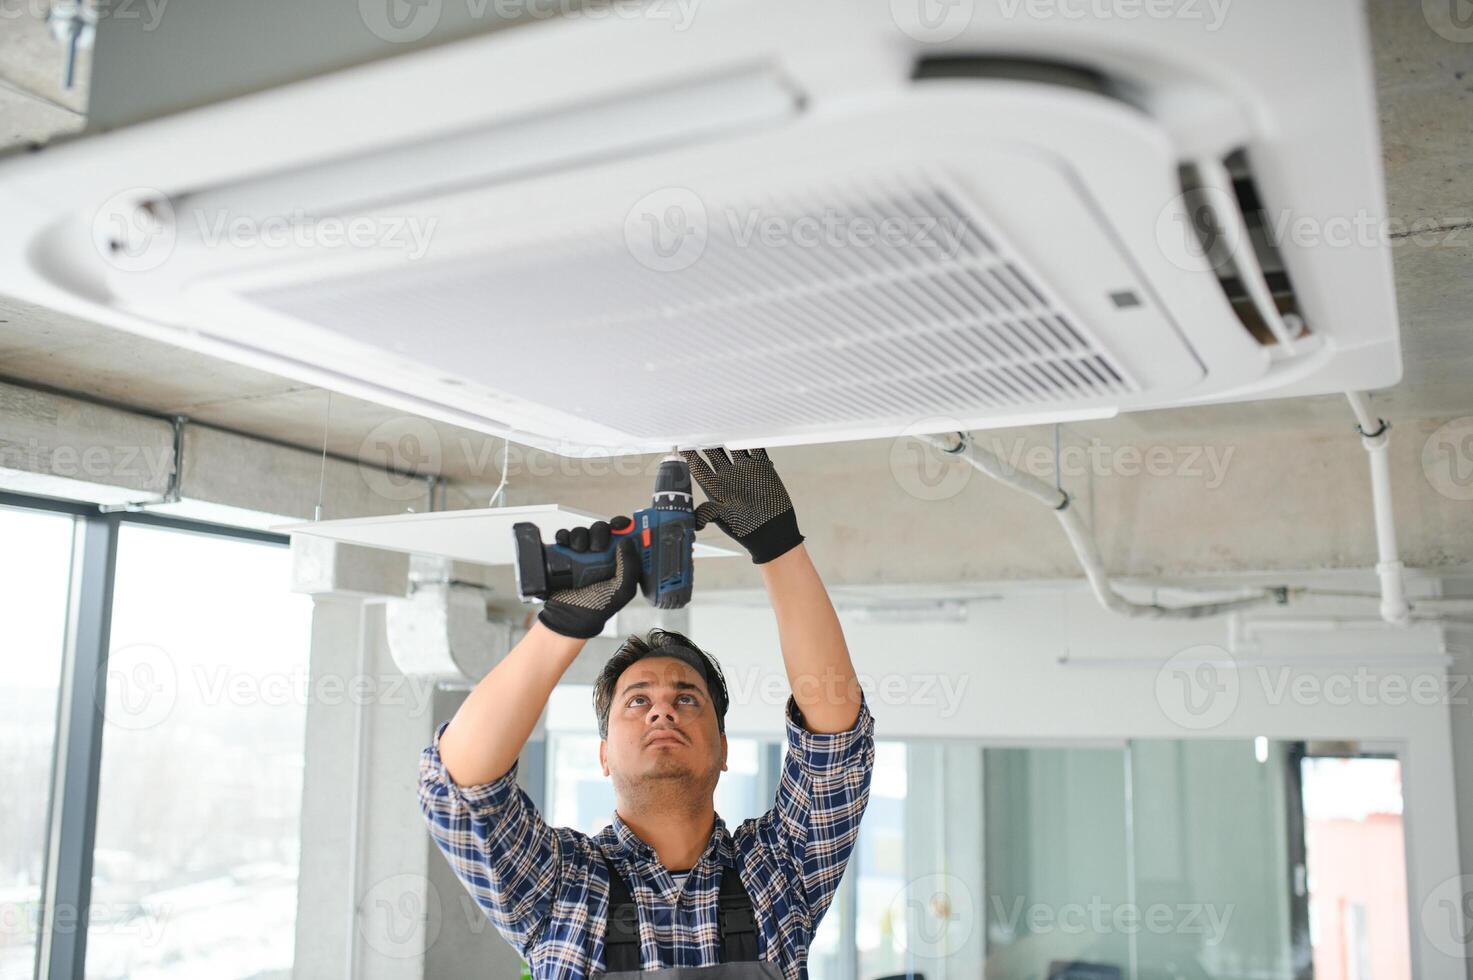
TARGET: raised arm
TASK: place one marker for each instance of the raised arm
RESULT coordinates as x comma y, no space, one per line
496,719
749,502
820,672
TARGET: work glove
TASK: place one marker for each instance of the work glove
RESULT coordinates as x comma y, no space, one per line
747,500
582,613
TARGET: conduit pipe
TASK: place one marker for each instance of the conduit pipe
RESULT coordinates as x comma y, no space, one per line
1374,437
960,445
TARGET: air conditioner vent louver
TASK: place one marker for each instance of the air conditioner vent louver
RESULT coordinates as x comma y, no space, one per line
780,300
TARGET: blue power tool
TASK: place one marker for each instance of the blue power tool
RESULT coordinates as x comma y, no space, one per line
666,534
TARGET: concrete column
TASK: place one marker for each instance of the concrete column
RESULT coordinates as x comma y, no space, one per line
376,899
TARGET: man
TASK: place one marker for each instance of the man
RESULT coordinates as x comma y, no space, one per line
666,885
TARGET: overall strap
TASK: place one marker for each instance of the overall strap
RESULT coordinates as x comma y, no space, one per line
735,918
621,935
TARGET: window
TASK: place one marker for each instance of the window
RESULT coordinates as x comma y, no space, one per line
34,583
1356,856
196,855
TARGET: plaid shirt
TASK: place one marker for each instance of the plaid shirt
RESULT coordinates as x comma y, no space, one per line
546,891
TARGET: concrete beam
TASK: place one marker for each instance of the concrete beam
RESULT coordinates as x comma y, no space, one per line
76,447
56,445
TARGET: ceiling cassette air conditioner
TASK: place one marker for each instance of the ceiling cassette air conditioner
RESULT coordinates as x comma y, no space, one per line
765,223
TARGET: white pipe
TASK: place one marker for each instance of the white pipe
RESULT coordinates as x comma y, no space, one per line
1361,406
1374,433
1082,541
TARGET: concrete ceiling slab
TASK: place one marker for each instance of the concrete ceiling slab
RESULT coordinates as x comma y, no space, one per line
35,105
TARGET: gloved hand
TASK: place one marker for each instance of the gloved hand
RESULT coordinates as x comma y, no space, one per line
747,500
582,613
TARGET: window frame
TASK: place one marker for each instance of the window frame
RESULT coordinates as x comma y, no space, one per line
76,760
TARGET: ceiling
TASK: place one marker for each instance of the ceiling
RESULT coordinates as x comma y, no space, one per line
1425,91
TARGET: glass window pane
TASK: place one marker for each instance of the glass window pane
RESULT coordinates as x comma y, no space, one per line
1056,868
1212,858
34,580
196,857
879,861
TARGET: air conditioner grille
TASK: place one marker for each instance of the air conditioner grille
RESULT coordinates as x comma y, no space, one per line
860,305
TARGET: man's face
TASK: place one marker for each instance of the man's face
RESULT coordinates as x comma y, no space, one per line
662,727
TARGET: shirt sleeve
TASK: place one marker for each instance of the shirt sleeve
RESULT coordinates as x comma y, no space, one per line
821,796
497,843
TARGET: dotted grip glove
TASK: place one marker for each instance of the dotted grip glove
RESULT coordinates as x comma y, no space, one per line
582,613
747,500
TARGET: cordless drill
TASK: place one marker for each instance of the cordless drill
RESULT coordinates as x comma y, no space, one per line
666,535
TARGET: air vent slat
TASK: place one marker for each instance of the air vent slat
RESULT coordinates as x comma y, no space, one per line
767,330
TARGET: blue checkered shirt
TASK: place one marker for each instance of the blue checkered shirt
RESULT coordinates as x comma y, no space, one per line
546,891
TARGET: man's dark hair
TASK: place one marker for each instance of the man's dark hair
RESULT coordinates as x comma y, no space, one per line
658,643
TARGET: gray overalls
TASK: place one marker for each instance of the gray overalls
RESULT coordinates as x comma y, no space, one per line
734,915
